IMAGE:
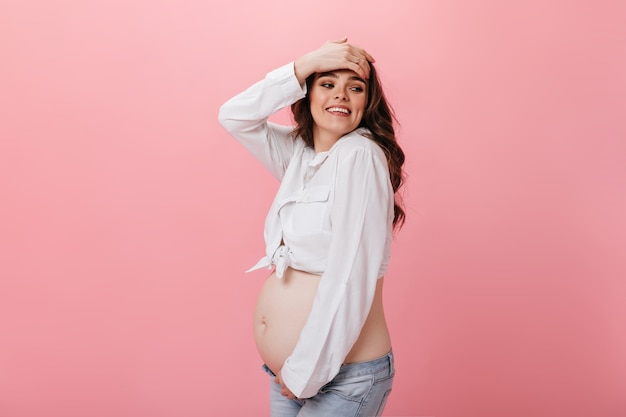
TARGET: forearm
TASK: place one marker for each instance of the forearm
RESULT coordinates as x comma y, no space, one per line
303,67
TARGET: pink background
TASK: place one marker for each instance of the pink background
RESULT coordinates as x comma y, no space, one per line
128,215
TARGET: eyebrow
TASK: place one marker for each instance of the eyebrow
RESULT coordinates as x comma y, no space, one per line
332,74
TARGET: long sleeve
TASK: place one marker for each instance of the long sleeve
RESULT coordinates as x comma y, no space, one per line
361,218
245,118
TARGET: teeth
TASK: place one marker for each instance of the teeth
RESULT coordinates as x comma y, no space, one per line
339,109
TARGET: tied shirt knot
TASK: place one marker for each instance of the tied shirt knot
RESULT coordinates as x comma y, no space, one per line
282,259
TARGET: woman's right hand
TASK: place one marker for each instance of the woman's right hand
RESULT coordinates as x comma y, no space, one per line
334,55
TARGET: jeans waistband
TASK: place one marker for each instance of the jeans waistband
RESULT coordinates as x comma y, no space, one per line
383,366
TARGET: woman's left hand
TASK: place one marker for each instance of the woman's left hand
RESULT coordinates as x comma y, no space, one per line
284,391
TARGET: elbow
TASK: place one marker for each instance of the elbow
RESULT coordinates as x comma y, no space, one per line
222,117
227,118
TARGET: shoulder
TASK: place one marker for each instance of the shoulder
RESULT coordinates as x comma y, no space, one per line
359,143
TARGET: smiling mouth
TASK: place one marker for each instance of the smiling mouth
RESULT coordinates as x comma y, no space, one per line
340,110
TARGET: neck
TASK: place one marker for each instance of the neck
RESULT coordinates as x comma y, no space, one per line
323,141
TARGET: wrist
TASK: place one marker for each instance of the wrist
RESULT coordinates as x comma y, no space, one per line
303,68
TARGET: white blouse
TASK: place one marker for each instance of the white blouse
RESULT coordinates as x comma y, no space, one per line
333,213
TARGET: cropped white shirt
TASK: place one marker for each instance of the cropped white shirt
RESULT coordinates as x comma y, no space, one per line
333,214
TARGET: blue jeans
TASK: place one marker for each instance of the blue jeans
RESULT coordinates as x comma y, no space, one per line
359,390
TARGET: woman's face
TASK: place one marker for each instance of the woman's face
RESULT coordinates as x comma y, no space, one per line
337,101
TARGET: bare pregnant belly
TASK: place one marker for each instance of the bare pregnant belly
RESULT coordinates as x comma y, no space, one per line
281,312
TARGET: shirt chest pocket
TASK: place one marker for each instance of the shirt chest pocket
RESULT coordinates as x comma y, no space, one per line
310,210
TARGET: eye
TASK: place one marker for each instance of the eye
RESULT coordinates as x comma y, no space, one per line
357,89
327,85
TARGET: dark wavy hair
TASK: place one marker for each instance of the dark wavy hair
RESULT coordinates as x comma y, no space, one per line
379,119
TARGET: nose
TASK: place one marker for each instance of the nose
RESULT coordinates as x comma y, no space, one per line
341,95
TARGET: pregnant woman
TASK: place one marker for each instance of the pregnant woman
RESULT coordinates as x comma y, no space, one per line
319,321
